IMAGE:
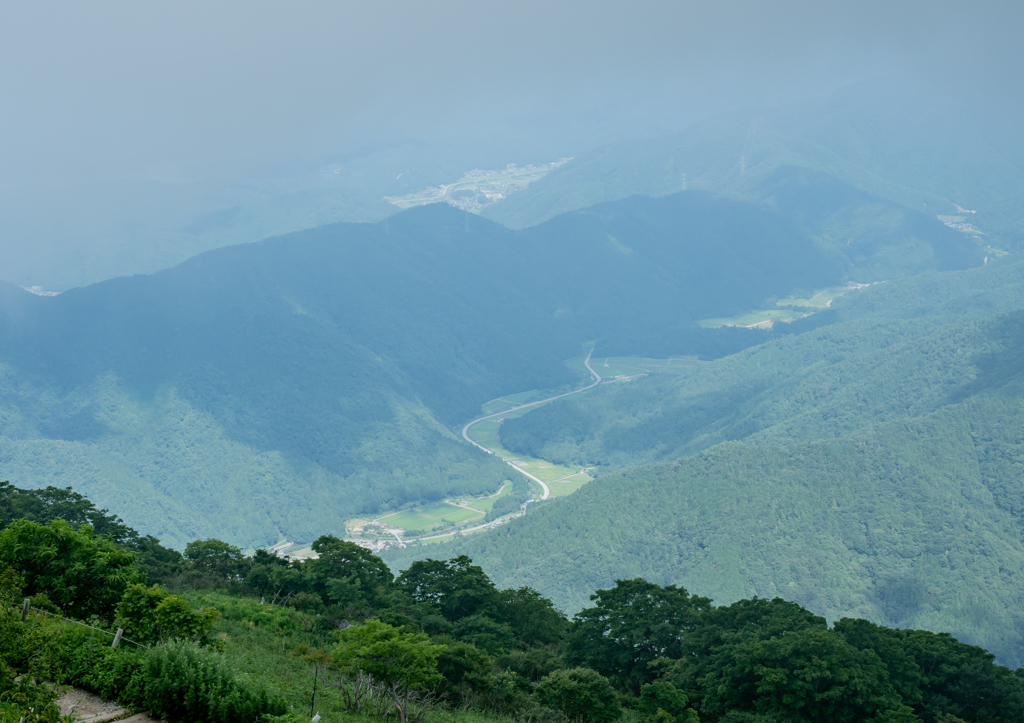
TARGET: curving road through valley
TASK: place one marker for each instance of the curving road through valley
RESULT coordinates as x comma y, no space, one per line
543,485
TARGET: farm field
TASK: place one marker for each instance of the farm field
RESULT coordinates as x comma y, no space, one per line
562,480
568,485
510,400
427,520
486,434
793,307
764,319
429,517
439,521
547,471
611,367
820,299
484,504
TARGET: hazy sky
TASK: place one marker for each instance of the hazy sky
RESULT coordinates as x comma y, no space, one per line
100,89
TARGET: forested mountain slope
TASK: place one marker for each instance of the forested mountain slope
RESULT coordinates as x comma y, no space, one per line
277,388
870,467
891,351
913,523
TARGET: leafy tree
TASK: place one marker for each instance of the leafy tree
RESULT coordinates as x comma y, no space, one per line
82,574
962,680
275,577
215,558
903,714
457,587
533,618
404,663
812,675
158,562
531,664
152,614
662,701
631,626
904,672
484,633
581,694
708,649
51,503
466,670
347,574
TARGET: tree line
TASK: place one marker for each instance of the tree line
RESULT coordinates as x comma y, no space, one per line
441,633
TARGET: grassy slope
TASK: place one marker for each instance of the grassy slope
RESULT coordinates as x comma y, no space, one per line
273,647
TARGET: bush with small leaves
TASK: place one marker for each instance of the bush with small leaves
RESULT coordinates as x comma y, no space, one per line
581,694
149,615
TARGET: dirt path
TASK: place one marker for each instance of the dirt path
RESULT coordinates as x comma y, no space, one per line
89,708
542,483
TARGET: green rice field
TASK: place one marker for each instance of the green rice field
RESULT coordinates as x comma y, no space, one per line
763,319
819,300
561,480
611,367
429,517
540,469
568,485
484,504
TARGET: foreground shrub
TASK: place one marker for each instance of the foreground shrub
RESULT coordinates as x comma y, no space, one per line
175,682
185,683
76,656
402,664
151,614
26,701
82,574
581,694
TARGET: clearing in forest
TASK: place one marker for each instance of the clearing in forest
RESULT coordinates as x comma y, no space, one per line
788,309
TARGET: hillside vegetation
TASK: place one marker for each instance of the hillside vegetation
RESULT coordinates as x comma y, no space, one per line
233,639
869,467
275,389
894,350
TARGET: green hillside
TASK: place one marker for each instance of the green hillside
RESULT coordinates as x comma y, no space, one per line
915,523
883,353
870,467
220,636
276,389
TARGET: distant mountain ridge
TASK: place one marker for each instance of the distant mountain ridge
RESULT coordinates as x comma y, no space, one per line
278,388
925,154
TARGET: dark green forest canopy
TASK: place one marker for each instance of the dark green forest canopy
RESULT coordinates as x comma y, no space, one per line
878,475
284,386
896,350
444,627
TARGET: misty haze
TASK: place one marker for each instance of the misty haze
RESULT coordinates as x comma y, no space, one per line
512,363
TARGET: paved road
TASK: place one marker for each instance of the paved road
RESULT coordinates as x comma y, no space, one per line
543,485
